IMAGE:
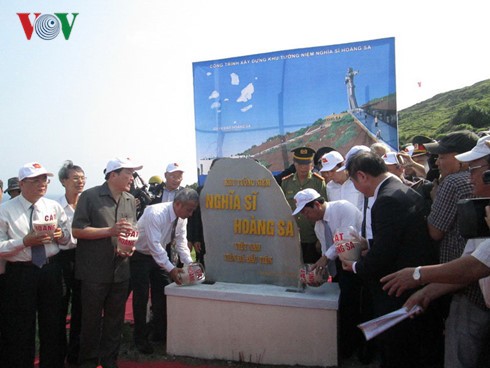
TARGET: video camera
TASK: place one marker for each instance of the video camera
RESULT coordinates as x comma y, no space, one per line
139,190
471,214
471,218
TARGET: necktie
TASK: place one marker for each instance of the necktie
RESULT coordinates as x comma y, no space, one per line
363,226
171,247
332,269
38,252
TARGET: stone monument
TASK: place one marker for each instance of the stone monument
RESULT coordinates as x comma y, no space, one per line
251,236
249,308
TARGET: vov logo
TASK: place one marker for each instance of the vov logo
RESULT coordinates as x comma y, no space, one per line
47,26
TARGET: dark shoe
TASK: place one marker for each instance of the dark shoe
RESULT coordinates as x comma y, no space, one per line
157,337
111,364
144,347
72,359
87,365
90,363
365,354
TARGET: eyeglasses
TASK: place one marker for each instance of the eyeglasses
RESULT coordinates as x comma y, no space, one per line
175,177
41,180
473,168
79,178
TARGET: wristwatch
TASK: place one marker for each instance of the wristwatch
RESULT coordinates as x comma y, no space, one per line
416,274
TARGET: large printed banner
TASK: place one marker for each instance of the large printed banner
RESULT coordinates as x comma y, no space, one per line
263,106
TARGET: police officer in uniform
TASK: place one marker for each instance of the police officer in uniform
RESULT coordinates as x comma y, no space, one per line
304,178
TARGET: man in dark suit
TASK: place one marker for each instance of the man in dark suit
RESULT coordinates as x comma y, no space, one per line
400,238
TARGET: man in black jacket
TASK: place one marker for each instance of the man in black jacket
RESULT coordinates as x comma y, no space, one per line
400,238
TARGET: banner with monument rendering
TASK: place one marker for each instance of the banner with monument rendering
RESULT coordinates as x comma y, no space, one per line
262,106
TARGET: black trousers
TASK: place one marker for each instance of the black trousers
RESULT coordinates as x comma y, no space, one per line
310,253
350,336
3,362
72,300
146,275
32,291
103,307
200,255
411,343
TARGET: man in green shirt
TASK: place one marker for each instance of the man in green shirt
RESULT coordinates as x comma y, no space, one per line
304,178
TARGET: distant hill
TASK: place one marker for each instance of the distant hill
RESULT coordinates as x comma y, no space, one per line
341,131
465,108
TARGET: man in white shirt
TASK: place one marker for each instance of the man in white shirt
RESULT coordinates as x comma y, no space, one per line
340,186
73,179
330,162
32,278
162,231
174,175
328,217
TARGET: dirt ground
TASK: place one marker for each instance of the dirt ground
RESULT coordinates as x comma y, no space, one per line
129,352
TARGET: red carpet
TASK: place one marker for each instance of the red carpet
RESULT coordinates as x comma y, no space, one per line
129,309
154,364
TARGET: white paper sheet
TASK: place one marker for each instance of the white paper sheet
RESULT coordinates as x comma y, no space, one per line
378,325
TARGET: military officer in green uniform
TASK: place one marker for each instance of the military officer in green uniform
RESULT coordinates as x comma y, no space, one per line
304,178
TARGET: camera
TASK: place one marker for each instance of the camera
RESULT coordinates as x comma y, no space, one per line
486,177
471,217
140,192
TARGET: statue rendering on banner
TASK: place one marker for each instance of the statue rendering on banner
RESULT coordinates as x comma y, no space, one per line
351,88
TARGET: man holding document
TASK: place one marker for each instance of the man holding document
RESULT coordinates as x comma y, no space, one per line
468,324
400,240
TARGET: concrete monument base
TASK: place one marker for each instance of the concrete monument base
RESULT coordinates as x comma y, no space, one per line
261,324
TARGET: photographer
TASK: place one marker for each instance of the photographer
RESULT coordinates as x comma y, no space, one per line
173,178
156,186
468,324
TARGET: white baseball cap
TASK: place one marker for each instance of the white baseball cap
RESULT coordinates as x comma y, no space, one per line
303,197
481,149
330,160
409,149
173,167
391,158
352,152
31,170
118,163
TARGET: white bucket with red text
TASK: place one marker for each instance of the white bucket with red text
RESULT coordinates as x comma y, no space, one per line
193,274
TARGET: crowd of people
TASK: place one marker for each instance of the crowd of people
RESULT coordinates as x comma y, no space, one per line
402,206
412,245
60,258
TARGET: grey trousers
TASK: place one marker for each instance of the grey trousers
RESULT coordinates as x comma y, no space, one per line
103,307
467,330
